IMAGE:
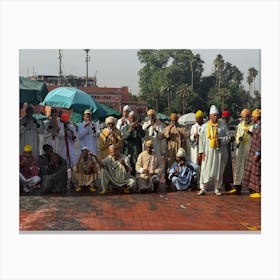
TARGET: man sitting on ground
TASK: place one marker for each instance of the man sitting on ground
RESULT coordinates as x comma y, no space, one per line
84,172
53,170
29,170
115,170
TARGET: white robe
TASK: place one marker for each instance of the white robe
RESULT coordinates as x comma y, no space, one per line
155,133
29,135
212,167
88,137
56,142
196,128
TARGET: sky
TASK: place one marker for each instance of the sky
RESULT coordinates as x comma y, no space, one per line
119,67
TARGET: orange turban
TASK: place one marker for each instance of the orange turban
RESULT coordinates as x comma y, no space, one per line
256,113
245,113
151,112
173,116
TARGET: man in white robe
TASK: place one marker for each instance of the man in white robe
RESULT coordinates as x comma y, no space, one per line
54,134
213,141
123,121
88,133
154,130
194,136
29,132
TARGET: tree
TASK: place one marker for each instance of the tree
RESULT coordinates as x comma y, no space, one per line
184,91
219,64
253,74
168,88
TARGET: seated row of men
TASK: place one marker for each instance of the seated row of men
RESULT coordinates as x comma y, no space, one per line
115,171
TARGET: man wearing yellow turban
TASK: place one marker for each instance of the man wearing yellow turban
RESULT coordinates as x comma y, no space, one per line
194,136
176,136
213,140
252,173
29,171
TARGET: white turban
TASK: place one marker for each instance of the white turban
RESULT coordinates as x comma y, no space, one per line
213,110
131,113
126,108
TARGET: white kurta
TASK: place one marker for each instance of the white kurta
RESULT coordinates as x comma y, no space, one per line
29,135
71,159
241,152
196,128
155,133
212,167
121,125
57,142
88,137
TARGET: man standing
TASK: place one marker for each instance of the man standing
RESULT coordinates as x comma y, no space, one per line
149,168
154,130
213,142
29,134
252,173
228,176
243,141
194,136
176,136
115,170
88,132
123,121
54,134
132,140
70,138
110,135
28,169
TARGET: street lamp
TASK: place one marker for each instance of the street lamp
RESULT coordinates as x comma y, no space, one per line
87,61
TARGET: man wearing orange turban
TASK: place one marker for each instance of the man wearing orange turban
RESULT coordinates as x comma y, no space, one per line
176,136
243,141
252,173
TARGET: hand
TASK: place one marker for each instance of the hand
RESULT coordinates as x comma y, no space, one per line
145,171
256,158
196,135
203,156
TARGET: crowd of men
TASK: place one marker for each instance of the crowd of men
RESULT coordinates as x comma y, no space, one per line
138,157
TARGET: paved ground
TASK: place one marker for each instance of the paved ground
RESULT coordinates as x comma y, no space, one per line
171,211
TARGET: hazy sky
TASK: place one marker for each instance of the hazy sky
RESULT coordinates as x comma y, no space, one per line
119,67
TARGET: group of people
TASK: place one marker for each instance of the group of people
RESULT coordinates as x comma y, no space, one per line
137,157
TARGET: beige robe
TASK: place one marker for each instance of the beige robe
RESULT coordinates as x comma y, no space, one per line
153,164
176,138
241,152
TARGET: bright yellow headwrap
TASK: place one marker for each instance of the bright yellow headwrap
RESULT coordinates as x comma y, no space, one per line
173,116
199,114
27,148
256,113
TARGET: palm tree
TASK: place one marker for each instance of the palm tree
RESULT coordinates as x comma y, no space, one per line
194,63
184,91
253,74
219,64
168,88
224,93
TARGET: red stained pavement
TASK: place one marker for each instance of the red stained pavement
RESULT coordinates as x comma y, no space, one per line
172,211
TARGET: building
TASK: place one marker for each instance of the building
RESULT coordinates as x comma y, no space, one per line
113,97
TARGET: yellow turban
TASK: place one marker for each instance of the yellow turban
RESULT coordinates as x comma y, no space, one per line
199,114
173,116
148,143
27,148
151,112
245,113
256,113
110,120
